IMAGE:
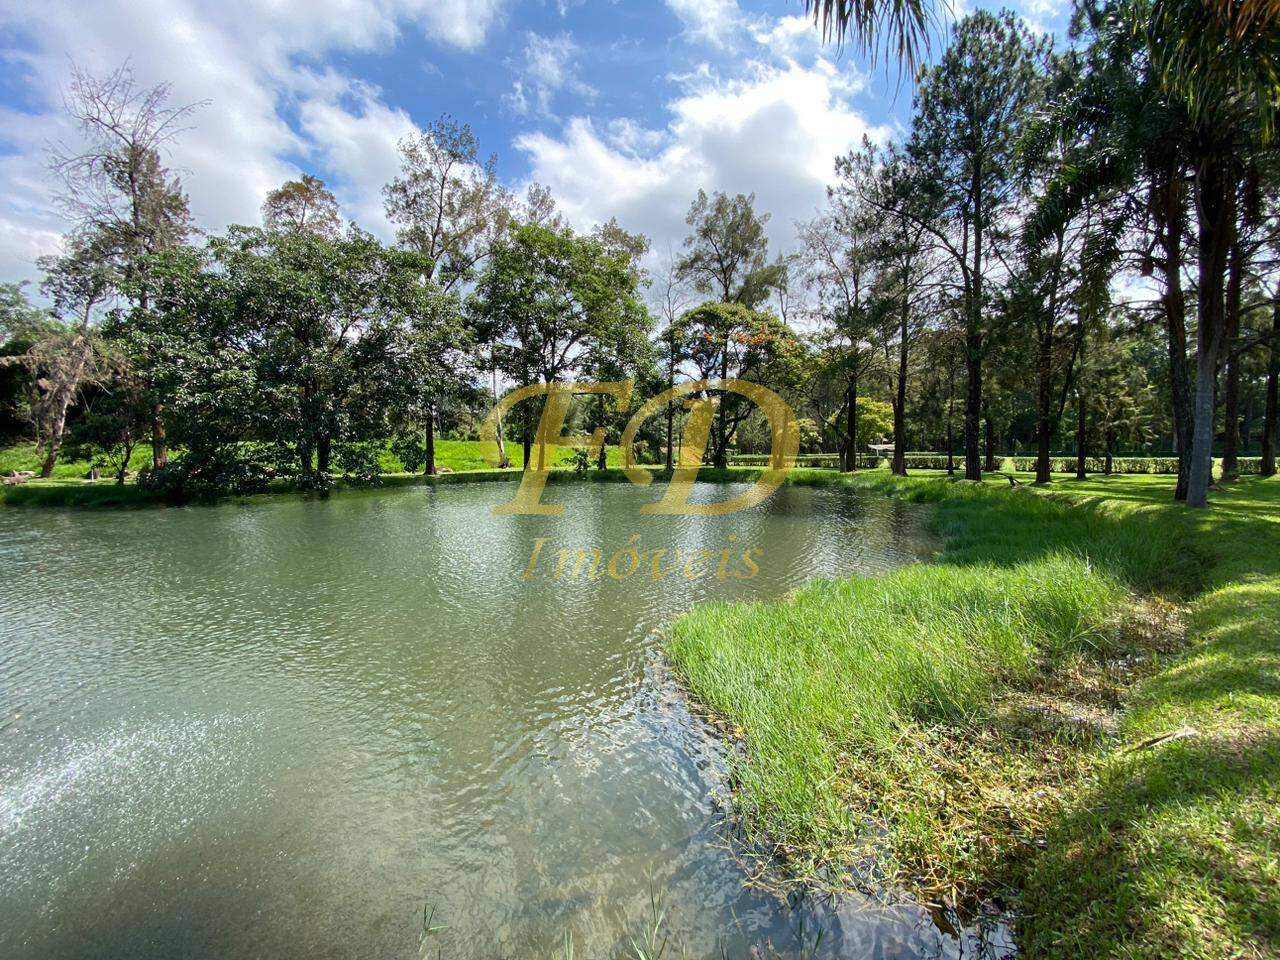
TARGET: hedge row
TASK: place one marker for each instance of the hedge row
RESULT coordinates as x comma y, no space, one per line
938,461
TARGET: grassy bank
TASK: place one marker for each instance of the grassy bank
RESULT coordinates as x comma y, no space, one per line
988,725
69,486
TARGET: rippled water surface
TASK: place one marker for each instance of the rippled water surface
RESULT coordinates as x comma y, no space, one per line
285,729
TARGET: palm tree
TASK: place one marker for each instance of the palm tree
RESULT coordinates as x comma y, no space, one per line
1221,60
899,27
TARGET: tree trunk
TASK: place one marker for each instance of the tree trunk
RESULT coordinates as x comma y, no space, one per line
1081,452
973,407
527,438
1044,437
1270,424
124,461
671,382
51,461
429,444
990,464
1171,232
159,445
899,465
721,458
324,448
56,433
503,462
1044,406
1231,389
1110,441
1216,218
951,457
603,460
850,458
973,336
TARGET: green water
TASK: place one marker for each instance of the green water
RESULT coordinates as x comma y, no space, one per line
286,728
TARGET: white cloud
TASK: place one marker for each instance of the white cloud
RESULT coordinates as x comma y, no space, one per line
241,55
774,132
548,68
462,23
358,146
791,36
713,22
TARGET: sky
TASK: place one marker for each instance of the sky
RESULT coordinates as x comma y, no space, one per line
624,109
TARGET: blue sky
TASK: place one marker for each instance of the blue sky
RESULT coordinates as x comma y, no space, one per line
622,108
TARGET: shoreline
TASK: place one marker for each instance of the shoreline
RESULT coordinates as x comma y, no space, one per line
1011,724
1069,715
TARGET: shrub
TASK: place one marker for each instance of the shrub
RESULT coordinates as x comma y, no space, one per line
206,474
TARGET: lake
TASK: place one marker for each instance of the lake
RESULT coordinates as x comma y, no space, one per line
296,727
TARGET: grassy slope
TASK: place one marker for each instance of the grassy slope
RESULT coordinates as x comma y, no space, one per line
959,725
1174,849
25,456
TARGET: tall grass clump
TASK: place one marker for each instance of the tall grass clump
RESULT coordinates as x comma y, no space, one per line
875,714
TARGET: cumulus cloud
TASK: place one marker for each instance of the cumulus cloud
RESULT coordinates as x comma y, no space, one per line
356,136
790,36
240,55
774,132
714,22
548,68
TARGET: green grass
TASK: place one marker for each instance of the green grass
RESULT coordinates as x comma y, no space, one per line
1173,850
69,486
972,728
25,456
459,455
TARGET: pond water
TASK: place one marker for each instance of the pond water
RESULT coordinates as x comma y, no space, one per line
291,728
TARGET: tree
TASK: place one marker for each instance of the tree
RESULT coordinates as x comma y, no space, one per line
874,196
554,302
902,26
302,206
729,341
1219,62
65,356
1126,135
114,421
971,111
1119,392
446,204
728,251
127,206
435,362
674,298
875,420
282,351
1271,421
838,266
19,319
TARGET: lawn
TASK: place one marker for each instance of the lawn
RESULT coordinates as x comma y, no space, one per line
69,485
1074,711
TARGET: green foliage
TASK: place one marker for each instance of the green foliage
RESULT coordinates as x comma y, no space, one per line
112,423
19,319
302,206
728,251
901,28
305,349
206,473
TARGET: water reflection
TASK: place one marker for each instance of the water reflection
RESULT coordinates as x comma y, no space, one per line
281,729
